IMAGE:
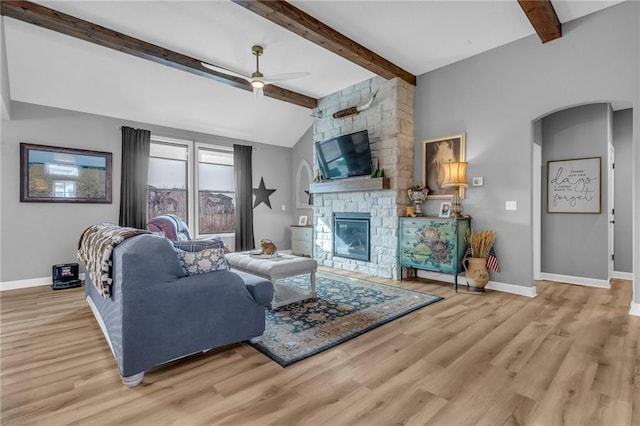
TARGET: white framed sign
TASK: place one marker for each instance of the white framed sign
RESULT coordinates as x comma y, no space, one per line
574,186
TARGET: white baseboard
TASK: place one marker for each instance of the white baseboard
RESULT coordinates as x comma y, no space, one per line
589,282
634,309
31,282
622,275
513,289
492,285
437,276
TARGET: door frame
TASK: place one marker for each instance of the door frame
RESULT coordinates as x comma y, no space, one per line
610,208
537,211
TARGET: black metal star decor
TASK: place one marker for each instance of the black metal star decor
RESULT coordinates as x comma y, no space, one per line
262,194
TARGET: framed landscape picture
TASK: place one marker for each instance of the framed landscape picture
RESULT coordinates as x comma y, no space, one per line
574,186
64,175
436,152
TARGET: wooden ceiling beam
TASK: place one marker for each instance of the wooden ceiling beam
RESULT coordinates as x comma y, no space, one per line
50,19
308,27
543,18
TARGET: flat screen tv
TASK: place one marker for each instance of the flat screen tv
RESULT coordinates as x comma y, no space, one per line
345,156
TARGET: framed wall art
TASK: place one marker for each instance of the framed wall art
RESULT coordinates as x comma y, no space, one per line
574,186
436,152
64,175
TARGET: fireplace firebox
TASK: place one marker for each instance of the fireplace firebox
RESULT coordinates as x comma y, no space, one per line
351,235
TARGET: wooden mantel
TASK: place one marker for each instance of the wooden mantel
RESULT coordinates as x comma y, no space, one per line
350,185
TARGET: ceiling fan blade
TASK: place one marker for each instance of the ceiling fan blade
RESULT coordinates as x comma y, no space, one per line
282,77
258,93
225,71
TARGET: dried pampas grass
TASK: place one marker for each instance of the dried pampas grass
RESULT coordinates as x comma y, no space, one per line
480,242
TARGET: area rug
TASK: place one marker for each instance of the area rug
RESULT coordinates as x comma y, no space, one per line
345,308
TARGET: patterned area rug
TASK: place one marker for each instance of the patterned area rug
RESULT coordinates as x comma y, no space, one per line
346,308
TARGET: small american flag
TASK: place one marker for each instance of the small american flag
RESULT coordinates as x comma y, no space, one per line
492,259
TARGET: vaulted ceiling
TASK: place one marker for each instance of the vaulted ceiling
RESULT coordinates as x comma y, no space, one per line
54,69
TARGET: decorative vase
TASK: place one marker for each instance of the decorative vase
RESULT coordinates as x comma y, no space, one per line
477,273
417,196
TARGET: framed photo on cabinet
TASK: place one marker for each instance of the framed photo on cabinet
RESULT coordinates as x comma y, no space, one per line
445,209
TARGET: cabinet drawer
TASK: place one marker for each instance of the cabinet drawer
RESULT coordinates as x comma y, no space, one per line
300,233
301,247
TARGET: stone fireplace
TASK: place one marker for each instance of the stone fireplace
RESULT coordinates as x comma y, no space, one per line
389,122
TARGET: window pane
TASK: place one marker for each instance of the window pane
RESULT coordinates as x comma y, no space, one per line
167,173
174,152
217,212
216,192
167,190
215,157
216,177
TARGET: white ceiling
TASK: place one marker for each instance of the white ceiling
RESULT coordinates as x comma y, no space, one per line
51,69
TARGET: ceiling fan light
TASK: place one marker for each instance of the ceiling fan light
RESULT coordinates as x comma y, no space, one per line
257,84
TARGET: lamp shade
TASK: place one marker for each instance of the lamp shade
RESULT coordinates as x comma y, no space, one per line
455,174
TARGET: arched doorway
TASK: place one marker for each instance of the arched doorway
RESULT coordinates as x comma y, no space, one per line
581,257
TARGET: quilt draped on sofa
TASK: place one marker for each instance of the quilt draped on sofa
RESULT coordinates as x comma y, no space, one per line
94,250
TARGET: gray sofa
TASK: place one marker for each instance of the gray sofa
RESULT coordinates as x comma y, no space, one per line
156,313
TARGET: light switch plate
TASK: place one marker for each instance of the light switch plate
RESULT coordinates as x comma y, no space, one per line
477,181
511,205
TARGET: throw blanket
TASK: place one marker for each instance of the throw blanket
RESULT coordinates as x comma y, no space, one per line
94,250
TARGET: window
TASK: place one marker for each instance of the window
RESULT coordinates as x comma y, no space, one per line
168,180
216,191
172,189
62,170
64,189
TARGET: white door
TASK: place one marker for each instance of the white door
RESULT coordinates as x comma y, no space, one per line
610,205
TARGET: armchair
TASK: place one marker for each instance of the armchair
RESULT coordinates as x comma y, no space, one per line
174,228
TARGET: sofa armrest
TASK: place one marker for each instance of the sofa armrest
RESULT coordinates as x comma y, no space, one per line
260,288
169,320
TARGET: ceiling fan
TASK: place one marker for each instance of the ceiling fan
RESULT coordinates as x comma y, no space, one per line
257,79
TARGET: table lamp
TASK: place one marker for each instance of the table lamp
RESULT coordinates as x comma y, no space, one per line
455,176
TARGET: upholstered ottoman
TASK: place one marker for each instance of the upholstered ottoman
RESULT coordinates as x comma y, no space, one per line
276,268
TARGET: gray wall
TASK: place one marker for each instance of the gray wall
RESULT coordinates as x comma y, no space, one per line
38,235
575,244
494,97
302,150
5,102
274,164
623,144
4,75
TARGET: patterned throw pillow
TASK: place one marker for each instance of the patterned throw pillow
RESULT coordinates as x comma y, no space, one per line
203,261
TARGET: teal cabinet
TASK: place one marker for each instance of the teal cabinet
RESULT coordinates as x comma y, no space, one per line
433,244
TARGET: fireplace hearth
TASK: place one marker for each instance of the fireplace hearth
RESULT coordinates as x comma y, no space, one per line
351,235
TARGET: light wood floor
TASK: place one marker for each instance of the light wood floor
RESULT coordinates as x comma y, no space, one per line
570,356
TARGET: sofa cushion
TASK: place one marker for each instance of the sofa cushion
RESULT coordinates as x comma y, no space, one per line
203,261
198,245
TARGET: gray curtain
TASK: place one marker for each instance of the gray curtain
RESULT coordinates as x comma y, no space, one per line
135,170
244,197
